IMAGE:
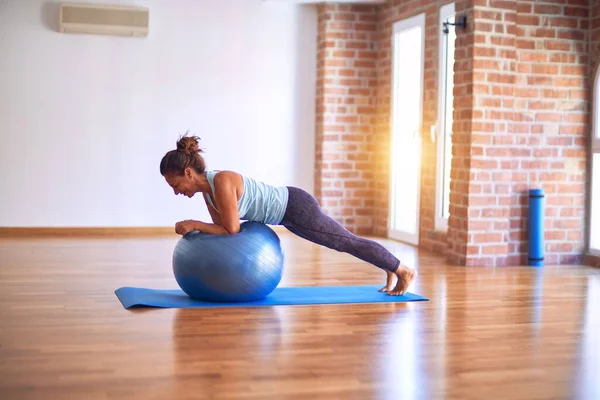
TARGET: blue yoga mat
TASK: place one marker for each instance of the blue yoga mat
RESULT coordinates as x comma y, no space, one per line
165,298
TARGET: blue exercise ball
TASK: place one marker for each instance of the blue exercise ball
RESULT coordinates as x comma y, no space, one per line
245,266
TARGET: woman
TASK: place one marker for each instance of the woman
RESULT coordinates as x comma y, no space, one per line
231,197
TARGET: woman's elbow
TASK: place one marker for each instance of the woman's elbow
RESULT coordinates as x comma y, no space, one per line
232,229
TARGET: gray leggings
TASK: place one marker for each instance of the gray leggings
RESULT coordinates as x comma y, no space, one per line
304,217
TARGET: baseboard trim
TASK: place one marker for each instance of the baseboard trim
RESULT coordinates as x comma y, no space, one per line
592,259
84,232
48,232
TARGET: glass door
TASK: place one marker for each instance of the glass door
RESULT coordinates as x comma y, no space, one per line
406,119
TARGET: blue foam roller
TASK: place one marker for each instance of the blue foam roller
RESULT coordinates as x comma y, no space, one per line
536,227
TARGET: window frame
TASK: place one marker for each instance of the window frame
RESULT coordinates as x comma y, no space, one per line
591,209
440,222
595,132
594,149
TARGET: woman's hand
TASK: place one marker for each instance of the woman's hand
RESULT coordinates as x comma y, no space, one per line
186,226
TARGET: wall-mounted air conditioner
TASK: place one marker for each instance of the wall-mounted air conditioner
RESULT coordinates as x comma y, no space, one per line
103,19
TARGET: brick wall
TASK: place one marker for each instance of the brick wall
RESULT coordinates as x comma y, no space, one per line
346,97
520,121
594,35
460,176
529,128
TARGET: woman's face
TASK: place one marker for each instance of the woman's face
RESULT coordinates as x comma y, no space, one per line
182,184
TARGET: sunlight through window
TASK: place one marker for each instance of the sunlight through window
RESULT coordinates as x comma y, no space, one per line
595,217
447,40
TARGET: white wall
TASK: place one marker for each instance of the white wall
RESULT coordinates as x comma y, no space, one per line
85,119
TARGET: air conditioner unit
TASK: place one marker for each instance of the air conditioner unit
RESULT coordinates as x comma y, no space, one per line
104,19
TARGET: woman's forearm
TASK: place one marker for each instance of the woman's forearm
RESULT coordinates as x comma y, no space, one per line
212,229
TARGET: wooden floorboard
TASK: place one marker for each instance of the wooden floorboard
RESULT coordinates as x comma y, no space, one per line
487,333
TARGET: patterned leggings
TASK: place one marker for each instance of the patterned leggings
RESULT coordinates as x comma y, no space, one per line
304,217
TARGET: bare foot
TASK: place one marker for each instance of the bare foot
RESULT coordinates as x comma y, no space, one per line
405,277
389,285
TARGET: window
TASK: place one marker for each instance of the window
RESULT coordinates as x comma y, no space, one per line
408,49
595,211
594,219
442,132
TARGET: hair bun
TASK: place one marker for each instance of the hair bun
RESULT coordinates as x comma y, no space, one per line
189,144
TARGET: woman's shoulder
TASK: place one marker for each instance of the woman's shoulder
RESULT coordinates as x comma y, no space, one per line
227,177
223,174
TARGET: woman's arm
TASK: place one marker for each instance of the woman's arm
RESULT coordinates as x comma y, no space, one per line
226,200
226,221
214,214
188,225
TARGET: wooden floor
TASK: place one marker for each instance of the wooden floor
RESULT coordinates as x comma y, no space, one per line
504,333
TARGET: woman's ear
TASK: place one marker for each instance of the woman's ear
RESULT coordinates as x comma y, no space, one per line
188,173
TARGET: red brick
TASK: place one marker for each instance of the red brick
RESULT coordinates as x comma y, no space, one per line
557,45
487,14
527,19
578,93
350,82
367,17
574,188
364,64
582,3
576,12
335,63
577,70
559,247
364,26
484,52
544,33
347,72
525,44
572,129
481,26
555,93
503,4
356,45
494,249
503,90
563,58
576,118
540,105
524,8
533,56
486,64
539,80
571,34
568,82
344,53
487,238
368,54
577,153
362,9
340,26
544,69
344,17
546,9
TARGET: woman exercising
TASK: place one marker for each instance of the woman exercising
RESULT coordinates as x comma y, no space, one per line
231,197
